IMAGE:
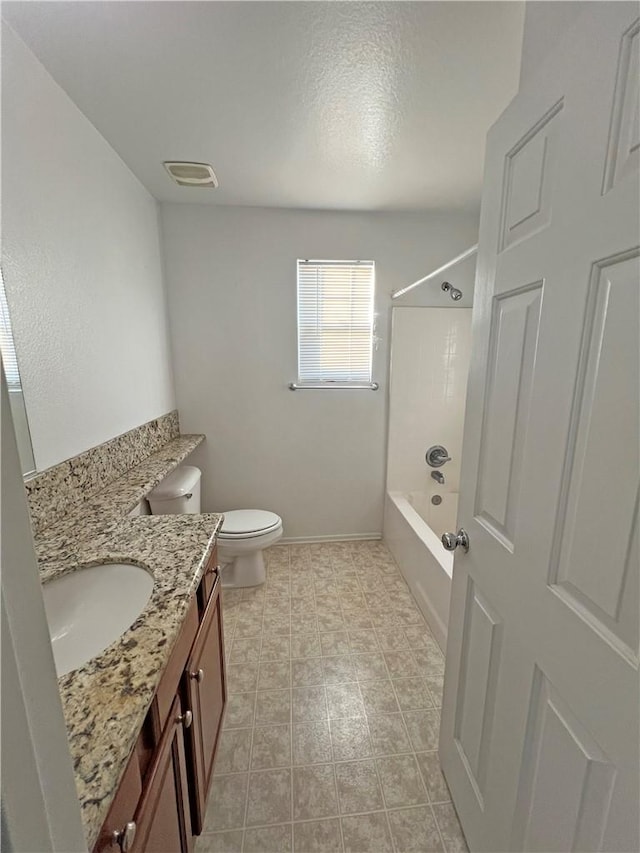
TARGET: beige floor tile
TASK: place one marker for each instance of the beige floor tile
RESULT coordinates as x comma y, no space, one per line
401,781
225,809
363,641
350,739
242,677
273,706
344,700
392,641
412,693
379,697
314,792
309,703
370,667
318,836
388,734
239,710
311,743
423,728
245,649
358,787
248,626
303,624
335,643
331,621
305,646
418,636
276,624
452,834
307,671
435,684
430,661
269,839
271,747
269,797
233,751
414,830
402,664
429,764
366,833
275,648
358,620
338,669
274,675
220,842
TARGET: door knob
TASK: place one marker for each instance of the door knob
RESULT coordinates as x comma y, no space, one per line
186,719
124,838
452,540
199,675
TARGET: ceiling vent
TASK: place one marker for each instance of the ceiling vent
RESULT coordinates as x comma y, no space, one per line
192,174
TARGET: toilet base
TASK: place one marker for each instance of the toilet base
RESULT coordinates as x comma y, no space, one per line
244,571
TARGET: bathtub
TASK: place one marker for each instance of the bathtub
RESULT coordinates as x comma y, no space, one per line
412,530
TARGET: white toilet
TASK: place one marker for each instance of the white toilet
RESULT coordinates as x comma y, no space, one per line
243,535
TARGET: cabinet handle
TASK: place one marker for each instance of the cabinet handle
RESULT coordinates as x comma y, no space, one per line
213,570
186,719
124,838
199,675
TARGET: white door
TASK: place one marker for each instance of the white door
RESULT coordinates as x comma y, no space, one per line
540,725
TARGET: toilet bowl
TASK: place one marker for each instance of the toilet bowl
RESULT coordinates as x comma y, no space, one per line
243,536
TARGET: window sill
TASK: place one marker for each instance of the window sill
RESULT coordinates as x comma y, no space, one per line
333,386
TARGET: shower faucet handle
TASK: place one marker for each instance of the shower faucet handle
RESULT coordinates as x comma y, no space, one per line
437,455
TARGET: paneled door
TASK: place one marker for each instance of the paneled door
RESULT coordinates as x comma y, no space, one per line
540,725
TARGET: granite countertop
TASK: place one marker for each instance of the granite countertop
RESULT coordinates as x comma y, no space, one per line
106,700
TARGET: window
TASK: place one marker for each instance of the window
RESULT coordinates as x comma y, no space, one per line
335,323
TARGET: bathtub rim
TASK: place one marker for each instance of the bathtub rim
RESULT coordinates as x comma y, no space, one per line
422,529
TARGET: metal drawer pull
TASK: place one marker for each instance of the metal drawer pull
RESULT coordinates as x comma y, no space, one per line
186,719
199,675
124,838
213,570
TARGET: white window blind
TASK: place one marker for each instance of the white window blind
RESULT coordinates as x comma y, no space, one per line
335,322
8,350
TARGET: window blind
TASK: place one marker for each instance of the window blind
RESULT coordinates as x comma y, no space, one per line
8,350
335,321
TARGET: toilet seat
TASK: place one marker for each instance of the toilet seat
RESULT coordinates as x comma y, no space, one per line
248,524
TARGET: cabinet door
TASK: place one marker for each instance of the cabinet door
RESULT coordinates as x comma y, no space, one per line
205,687
163,821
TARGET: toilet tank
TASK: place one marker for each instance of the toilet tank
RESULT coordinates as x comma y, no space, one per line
177,493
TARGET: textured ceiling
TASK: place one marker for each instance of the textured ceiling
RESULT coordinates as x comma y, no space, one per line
345,105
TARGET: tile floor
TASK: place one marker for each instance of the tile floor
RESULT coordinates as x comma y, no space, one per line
331,728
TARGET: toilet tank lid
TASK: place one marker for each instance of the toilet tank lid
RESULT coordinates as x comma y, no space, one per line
178,483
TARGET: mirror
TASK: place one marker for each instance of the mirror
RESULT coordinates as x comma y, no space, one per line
16,397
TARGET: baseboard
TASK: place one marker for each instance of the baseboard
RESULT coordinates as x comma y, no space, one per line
343,537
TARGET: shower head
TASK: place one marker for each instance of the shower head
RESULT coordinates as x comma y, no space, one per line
453,291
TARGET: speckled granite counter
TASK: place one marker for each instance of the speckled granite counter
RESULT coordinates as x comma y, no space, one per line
105,701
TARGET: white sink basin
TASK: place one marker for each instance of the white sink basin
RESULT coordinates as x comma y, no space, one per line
90,608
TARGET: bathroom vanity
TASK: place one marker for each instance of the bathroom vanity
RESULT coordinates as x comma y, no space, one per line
143,715
161,800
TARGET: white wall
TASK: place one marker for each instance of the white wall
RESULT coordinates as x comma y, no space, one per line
431,350
40,809
315,457
82,269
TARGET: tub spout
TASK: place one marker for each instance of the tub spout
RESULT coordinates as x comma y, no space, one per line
438,476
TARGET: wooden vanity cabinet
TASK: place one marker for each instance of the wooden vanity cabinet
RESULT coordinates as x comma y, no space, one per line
165,787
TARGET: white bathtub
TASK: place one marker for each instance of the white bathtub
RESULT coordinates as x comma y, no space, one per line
412,530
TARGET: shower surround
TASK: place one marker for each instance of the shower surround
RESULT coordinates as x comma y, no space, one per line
430,356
